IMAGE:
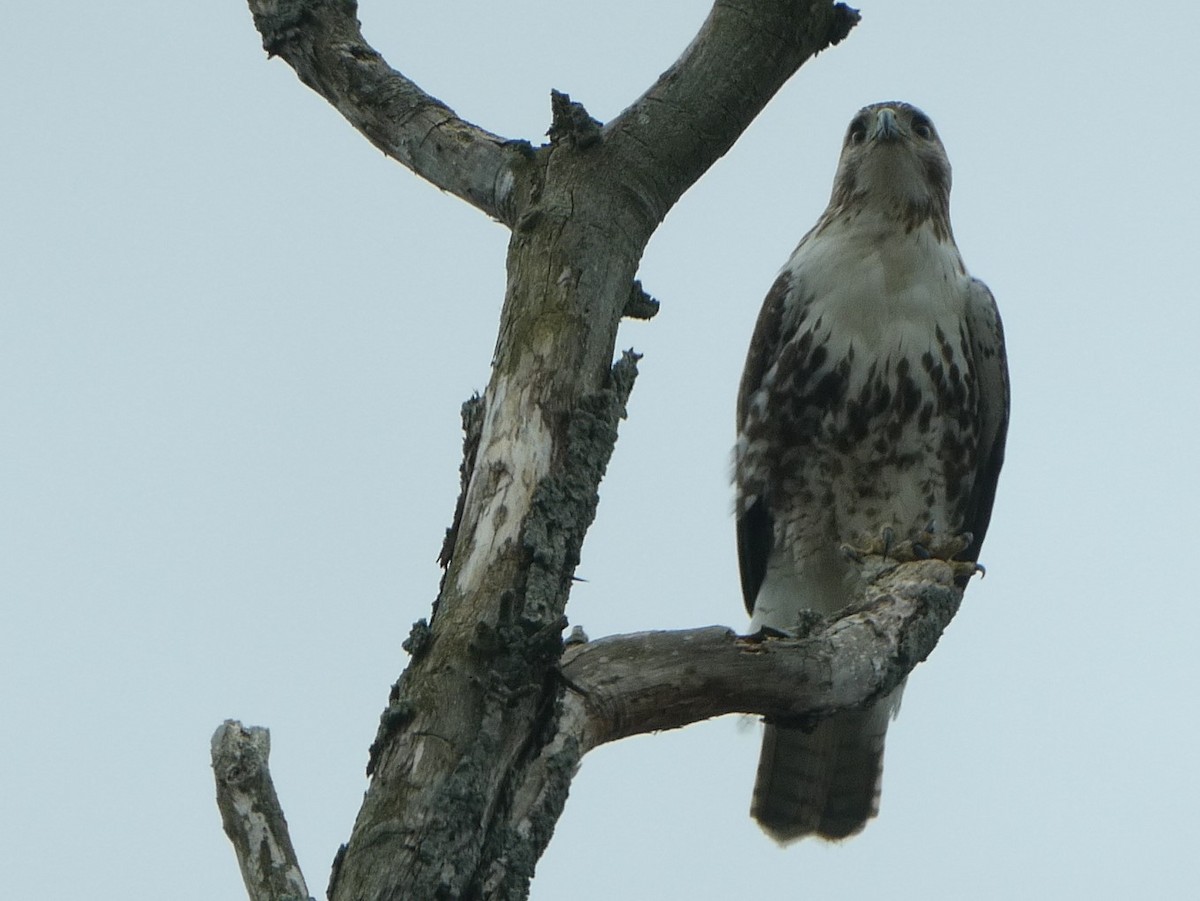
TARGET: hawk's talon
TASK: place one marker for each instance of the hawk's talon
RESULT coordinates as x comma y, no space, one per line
922,545
888,537
965,569
764,633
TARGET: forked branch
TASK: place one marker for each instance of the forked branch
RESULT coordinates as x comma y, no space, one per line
630,684
626,685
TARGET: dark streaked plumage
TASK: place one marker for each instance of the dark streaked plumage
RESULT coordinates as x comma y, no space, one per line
875,395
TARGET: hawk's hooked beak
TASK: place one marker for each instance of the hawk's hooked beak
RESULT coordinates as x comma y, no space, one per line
887,127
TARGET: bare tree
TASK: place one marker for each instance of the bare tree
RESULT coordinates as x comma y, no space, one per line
485,728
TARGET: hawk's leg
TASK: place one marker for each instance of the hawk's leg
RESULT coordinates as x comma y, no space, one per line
927,544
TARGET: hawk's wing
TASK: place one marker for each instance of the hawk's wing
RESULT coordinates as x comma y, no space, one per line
991,378
755,527
755,535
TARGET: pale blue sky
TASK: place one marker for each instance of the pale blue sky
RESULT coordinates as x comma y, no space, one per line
233,343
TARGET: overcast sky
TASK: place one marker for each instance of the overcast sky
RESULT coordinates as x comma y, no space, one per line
234,339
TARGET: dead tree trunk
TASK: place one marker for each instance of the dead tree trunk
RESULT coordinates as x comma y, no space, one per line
484,730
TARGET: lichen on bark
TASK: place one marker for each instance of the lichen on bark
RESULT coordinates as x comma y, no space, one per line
564,504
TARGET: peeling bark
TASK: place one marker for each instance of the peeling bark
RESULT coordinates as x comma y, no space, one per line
251,814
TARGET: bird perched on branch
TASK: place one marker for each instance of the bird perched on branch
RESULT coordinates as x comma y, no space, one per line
874,402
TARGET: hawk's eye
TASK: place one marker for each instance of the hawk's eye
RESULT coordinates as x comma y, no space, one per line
922,127
857,133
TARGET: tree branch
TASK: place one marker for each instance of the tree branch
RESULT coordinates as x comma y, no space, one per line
631,684
321,40
251,814
699,107
477,705
476,750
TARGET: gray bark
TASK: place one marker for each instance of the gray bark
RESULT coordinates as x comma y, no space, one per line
474,754
251,814
631,684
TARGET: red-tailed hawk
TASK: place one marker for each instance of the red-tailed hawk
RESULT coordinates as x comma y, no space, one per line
875,397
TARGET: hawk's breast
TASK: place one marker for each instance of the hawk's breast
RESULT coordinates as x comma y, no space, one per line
865,415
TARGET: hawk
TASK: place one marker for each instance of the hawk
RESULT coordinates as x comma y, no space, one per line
874,402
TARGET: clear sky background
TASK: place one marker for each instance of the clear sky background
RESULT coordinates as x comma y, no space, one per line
234,339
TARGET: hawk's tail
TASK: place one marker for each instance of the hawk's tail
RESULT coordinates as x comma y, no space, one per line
822,781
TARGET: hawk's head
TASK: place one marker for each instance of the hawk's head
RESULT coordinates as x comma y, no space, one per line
893,161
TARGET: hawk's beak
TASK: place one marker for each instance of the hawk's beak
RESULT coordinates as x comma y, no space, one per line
887,128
